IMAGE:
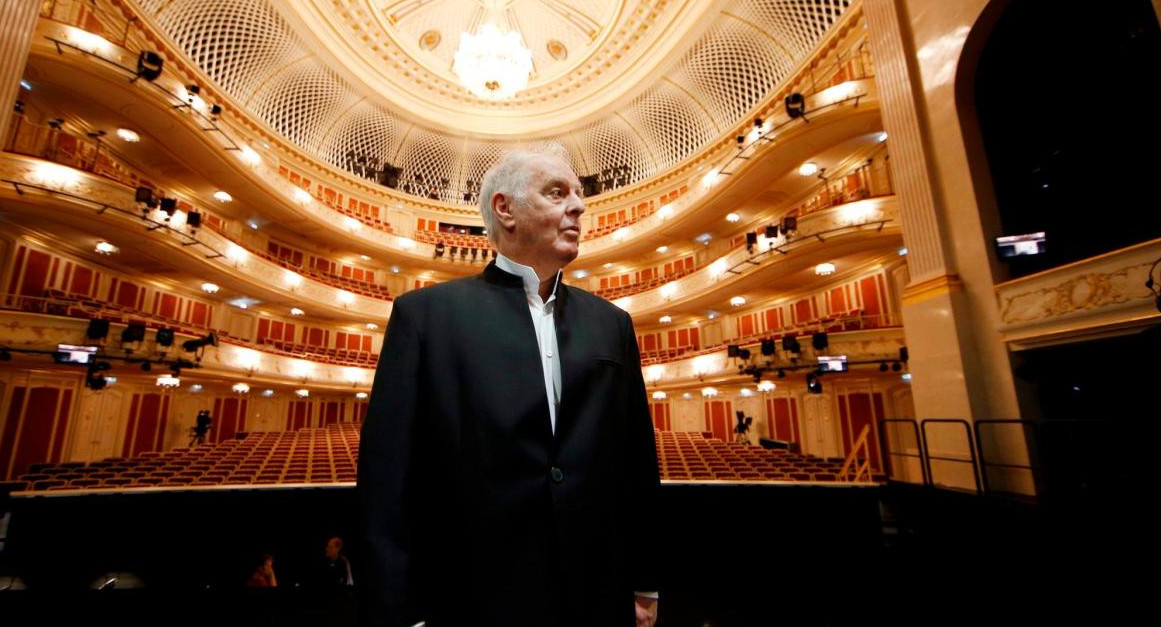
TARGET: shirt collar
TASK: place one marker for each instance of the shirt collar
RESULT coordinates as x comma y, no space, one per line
528,275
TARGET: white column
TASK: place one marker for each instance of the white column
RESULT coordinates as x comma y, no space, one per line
17,21
959,362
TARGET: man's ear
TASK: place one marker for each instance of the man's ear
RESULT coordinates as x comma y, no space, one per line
502,210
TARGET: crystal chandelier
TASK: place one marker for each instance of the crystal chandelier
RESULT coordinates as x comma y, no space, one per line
491,64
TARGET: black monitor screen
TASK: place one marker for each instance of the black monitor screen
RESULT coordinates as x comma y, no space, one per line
71,354
1020,245
833,363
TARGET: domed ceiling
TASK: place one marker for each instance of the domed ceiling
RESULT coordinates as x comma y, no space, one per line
627,88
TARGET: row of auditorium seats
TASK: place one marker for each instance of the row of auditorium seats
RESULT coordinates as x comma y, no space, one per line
363,288
613,293
460,240
329,455
312,456
695,457
325,354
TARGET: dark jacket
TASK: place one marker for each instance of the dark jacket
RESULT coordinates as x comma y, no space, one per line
473,512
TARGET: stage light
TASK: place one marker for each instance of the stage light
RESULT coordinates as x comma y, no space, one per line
795,105
149,65
813,384
202,342
133,333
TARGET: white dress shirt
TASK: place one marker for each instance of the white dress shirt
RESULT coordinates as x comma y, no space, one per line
545,325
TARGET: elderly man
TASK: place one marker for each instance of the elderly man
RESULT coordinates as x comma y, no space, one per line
507,471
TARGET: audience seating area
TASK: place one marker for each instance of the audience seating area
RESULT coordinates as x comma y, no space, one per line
306,456
473,247
324,354
363,288
329,455
686,456
613,293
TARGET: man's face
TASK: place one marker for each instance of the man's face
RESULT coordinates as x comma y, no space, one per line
546,225
333,549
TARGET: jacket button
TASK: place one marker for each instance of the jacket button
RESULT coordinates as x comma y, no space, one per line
557,474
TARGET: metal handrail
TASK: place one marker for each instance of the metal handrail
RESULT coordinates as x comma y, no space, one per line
971,449
985,464
887,454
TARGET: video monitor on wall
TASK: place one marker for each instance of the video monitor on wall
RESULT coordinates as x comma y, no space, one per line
832,363
1020,245
71,354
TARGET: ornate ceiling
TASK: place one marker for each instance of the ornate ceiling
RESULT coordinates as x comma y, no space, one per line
628,88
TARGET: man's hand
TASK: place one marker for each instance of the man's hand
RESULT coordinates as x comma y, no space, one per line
646,611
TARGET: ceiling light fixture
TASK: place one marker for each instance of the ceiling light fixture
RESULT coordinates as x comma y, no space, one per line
210,288
105,248
733,218
223,196
492,64
128,135
809,168
824,269
295,311
663,249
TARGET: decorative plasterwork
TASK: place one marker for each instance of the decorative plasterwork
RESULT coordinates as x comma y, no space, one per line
96,191
306,80
1091,297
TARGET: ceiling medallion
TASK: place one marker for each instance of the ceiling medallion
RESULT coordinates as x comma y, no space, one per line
430,40
556,50
491,64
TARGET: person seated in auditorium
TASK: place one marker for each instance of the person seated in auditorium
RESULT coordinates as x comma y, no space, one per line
263,575
336,570
507,470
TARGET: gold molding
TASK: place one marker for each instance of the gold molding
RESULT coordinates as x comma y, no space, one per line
945,284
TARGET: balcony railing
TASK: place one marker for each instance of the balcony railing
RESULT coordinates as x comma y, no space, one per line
58,303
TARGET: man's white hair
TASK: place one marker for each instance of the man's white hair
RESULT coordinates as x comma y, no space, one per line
509,176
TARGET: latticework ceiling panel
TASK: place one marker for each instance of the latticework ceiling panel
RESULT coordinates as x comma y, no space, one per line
252,54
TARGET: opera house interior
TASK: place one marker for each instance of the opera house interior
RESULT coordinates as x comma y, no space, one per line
898,330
